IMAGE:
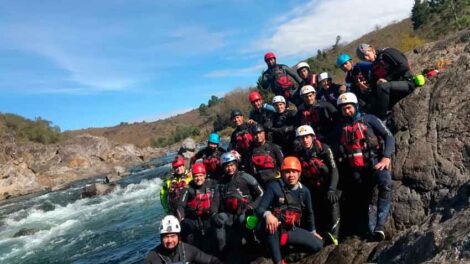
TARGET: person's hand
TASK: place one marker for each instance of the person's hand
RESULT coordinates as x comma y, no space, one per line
363,86
332,196
317,235
251,122
383,164
342,89
271,223
381,80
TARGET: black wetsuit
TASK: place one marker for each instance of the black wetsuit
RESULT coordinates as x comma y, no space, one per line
184,253
283,131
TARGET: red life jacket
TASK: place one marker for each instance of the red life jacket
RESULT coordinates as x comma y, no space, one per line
211,163
358,139
174,192
243,141
262,159
283,81
310,117
201,203
236,202
289,213
313,167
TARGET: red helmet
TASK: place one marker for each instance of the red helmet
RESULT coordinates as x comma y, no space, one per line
269,55
179,161
198,168
255,95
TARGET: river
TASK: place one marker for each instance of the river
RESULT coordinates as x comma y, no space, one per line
60,227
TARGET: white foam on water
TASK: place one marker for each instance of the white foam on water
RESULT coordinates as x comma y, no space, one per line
56,224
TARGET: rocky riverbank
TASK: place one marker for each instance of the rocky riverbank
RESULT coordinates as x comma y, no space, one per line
29,168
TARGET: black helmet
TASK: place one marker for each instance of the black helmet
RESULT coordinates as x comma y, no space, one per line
235,113
256,128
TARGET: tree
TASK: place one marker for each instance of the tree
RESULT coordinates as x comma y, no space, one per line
336,45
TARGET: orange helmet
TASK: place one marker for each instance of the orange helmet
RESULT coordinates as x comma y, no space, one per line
291,163
179,161
255,95
198,168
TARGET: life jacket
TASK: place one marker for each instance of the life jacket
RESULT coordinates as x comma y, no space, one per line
201,203
313,168
243,141
310,117
262,159
212,163
235,200
289,211
175,188
357,142
380,68
282,80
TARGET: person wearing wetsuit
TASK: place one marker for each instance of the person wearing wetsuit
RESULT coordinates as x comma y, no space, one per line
392,78
259,114
210,156
327,90
281,79
239,194
286,208
320,175
172,250
172,187
241,138
282,125
264,158
368,161
199,202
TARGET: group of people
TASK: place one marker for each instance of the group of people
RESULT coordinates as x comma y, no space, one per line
300,176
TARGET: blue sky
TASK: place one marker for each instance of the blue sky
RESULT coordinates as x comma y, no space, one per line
86,64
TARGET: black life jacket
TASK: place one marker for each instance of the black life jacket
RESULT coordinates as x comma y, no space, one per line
235,200
289,210
282,81
200,205
313,168
358,142
174,192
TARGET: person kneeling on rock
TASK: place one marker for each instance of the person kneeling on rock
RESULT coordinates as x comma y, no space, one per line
199,202
172,250
286,208
368,161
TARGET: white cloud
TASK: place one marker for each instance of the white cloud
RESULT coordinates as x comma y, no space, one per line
161,116
248,71
316,25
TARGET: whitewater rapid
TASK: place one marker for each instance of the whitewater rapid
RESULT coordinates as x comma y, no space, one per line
60,227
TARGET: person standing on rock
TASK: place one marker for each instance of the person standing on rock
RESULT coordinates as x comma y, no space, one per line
357,79
320,175
241,138
368,161
281,79
239,194
173,250
187,151
170,193
199,202
308,77
264,158
392,78
286,208
259,114
282,125
210,156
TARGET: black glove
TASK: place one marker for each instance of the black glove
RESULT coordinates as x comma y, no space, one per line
218,220
332,196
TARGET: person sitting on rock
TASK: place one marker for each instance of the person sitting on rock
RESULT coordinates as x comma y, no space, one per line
282,125
239,194
368,161
211,156
320,175
259,114
172,250
321,116
241,138
308,77
187,150
392,78
327,90
199,202
264,158
170,193
286,208
281,79
357,79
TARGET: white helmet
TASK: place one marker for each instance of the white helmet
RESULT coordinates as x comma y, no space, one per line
303,65
322,76
304,130
228,157
278,99
307,89
169,224
346,98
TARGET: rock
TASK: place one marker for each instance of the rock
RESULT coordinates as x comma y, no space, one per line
25,232
98,189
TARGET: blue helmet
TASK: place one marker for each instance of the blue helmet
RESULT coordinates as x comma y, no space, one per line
342,59
214,138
